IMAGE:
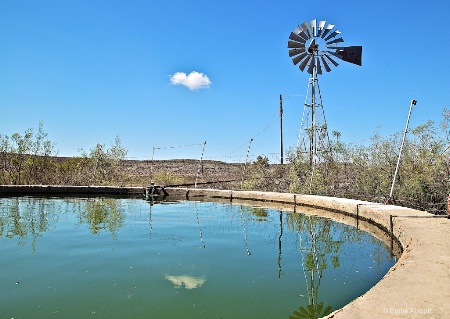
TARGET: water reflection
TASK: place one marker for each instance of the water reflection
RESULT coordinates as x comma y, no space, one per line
311,312
199,227
29,217
280,273
320,242
260,213
316,242
245,230
291,254
26,218
103,214
189,282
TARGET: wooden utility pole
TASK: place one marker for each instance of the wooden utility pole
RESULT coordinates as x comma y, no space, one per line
281,129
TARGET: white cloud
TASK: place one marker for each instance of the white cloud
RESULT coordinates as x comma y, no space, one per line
189,282
193,80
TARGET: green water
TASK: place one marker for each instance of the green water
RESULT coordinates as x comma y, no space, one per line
125,258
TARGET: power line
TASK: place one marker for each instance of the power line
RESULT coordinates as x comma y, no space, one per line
178,146
275,117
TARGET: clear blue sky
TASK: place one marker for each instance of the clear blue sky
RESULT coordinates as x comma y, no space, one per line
91,70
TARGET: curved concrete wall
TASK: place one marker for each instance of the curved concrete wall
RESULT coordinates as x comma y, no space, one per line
417,286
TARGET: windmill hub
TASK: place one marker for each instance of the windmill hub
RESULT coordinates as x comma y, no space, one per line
313,48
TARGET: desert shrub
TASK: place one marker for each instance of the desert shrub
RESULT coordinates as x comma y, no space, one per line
255,174
263,176
73,171
31,159
366,172
101,165
25,159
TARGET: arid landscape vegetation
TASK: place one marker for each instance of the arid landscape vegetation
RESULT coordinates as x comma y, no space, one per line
346,170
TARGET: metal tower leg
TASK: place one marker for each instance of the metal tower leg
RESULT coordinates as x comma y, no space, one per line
313,137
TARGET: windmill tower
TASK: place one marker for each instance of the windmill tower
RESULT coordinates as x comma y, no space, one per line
313,46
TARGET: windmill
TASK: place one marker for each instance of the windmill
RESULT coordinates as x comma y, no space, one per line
314,47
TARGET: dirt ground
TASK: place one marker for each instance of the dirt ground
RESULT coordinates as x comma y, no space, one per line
175,172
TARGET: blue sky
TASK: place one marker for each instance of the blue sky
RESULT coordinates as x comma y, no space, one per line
91,70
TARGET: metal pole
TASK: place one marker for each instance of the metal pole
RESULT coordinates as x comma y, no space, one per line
313,148
448,187
246,160
281,129
199,165
389,201
151,166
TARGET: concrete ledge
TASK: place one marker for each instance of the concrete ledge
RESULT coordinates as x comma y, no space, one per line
417,286
61,190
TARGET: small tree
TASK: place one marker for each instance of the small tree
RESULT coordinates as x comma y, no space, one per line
40,165
104,163
26,159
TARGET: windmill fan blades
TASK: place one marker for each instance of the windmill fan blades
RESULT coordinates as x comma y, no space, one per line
297,38
335,41
328,29
306,29
298,58
295,45
327,67
331,60
315,44
333,34
303,34
351,54
304,63
321,26
313,24
296,51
